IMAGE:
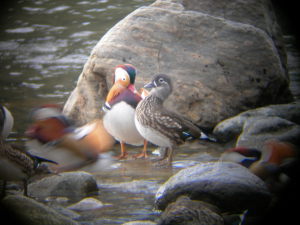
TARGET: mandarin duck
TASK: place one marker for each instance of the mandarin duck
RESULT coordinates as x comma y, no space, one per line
159,125
242,155
53,128
120,105
273,163
16,164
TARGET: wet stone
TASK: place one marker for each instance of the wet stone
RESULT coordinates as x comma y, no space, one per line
69,184
86,204
229,186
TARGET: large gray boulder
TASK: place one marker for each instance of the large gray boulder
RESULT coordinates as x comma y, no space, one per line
222,60
229,186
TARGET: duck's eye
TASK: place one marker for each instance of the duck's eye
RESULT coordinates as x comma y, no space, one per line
161,80
123,78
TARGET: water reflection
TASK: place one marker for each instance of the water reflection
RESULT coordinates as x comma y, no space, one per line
44,45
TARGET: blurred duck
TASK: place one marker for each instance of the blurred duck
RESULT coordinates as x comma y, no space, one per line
242,155
15,164
120,105
273,159
53,128
6,121
159,125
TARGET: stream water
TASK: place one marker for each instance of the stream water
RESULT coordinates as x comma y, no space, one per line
43,47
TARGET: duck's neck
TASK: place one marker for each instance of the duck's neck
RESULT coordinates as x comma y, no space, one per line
160,93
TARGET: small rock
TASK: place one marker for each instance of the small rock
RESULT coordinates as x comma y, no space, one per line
227,185
86,204
29,211
190,212
68,184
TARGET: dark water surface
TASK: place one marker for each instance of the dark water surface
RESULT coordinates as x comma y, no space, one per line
43,47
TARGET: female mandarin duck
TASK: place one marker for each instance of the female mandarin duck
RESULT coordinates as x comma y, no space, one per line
159,125
16,164
120,105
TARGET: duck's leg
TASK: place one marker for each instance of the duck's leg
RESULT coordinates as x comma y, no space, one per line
166,160
170,156
143,154
124,153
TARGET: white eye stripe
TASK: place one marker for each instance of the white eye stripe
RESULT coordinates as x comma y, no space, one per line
120,74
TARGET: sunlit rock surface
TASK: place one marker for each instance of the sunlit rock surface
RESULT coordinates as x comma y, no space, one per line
223,60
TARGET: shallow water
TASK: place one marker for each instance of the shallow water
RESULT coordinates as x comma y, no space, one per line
43,47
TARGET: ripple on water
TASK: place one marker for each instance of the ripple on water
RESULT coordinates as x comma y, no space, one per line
57,9
20,30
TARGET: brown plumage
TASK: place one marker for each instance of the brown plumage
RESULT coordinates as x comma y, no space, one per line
159,125
18,165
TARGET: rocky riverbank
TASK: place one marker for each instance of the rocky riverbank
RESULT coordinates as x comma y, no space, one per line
231,55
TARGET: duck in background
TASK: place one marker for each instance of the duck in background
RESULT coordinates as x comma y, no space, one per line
159,125
83,144
119,108
17,164
6,122
272,163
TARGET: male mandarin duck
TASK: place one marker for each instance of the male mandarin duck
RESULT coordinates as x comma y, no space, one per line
159,125
271,160
276,157
16,164
120,105
53,128
242,155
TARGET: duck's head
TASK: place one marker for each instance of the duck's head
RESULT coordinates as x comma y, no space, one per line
161,85
125,75
242,155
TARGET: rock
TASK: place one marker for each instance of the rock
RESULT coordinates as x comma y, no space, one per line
190,212
139,222
253,127
29,211
86,204
258,130
222,73
228,186
69,184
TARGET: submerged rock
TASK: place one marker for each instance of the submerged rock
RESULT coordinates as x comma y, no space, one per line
190,212
29,211
68,184
86,204
224,60
229,186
